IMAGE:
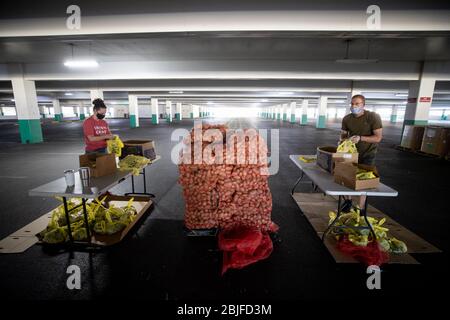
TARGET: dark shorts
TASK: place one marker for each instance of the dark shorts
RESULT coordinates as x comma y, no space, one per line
368,159
101,150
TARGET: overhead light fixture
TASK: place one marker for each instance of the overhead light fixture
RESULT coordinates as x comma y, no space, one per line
356,61
81,64
285,92
264,100
209,102
68,94
401,94
176,92
13,100
339,101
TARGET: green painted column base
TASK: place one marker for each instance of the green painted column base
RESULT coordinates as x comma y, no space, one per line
82,116
133,122
191,115
284,117
393,118
58,117
415,122
321,122
42,115
292,118
177,116
304,120
154,119
30,131
169,119
278,116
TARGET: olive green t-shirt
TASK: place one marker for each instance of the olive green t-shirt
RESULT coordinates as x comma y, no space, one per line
363,126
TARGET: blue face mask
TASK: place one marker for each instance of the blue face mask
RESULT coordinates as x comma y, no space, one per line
356,110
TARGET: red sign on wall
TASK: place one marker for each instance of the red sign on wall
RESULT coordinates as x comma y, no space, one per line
412,100
425,99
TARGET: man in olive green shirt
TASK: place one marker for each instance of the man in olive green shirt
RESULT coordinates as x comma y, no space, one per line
364,128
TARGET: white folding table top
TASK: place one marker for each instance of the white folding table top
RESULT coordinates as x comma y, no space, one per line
325,181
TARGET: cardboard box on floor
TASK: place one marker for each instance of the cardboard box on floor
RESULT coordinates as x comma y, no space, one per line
412,137
436,140
144,148
345,174
99,164
327,157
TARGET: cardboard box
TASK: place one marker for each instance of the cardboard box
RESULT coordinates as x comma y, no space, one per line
327,157
436,140
100,164
345,174
145,148
412,137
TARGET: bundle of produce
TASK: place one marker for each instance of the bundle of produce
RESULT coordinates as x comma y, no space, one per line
362,174
347,146
115,146
133,163
362,237
101,219
224,178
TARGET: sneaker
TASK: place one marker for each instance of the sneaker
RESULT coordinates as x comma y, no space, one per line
347,206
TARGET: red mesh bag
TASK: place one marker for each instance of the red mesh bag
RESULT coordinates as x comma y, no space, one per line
369,255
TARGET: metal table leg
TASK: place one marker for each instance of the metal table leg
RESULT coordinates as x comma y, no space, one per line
364,214
66,212
145,193
86,222
297,182
334,221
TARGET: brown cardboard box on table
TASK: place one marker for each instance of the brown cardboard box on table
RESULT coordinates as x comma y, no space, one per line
100,164
327,157
345,174
145,148
412,137
436,140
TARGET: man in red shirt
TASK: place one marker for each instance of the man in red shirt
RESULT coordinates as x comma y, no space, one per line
96,130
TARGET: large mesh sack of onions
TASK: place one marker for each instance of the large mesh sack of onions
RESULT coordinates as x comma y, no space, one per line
224,176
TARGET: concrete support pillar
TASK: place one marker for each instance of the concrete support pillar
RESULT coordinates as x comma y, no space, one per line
322,113
27,109
1,112
293,107
196,111
41,112
285,107
155,110
81,111
169,111
75,111
133,110
279,107
394,114
304,117
420,97
178,112
57,110
191,111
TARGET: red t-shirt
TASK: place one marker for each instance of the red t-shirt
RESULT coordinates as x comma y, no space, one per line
95,127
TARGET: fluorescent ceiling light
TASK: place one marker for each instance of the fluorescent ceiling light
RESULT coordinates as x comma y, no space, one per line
264,100
401,94
286,92
209,102
339,101
68,94
81,64
178,92
13,100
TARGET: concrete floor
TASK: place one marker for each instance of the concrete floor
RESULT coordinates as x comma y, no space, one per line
159,262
